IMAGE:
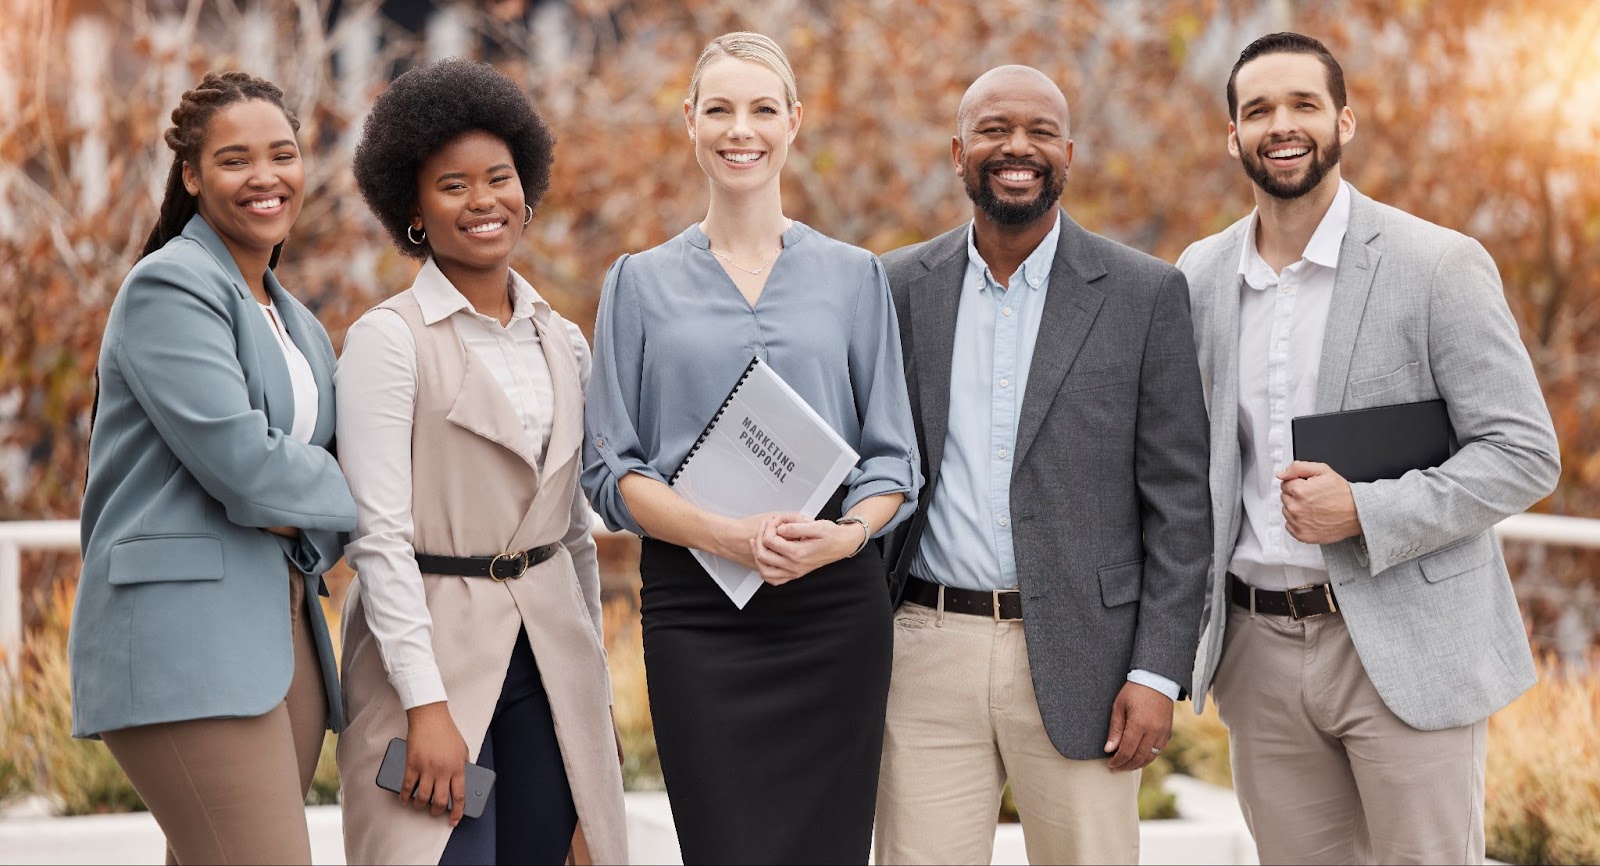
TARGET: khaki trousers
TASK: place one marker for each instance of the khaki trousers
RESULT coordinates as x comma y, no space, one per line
234,790
963,719
1324,771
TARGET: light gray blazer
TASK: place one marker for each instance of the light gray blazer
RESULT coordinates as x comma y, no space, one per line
1418,313
1111,521
183,605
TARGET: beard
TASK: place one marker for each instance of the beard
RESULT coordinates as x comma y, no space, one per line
980,188
1323,160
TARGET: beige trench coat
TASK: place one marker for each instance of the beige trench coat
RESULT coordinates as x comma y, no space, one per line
478,491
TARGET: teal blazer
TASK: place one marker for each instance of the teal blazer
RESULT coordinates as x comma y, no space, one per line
183,605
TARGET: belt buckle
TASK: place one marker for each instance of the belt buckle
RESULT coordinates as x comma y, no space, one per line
519,560
1294,610
994,602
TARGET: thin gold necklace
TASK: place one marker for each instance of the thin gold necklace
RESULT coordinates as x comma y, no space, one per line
764,265
738,266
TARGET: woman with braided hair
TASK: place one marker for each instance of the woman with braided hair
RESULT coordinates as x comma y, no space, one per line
199,652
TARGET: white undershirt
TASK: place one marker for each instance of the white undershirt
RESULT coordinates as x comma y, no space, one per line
376,383
1282,318
300,377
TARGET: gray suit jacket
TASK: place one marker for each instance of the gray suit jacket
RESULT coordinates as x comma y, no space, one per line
183,604
1418,313
1111,522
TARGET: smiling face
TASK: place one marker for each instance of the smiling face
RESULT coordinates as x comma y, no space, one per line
470,202
1011,149
247,177
742,125
1288,134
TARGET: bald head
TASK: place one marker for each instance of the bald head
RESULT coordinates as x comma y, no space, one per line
1011,81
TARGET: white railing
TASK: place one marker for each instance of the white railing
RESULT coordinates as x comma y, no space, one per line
17,536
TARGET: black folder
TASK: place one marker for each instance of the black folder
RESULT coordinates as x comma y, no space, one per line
1377,443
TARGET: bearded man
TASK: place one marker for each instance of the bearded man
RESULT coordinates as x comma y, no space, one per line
1357,635
1051,581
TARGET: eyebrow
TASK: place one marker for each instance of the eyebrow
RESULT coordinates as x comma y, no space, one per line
1293,94
239,148
458,175
1001,118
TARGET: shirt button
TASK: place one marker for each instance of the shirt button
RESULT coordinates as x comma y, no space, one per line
1004,382
1034,282
1002,455
599,443
1004,521
1005,311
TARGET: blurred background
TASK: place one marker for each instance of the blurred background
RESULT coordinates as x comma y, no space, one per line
1480,115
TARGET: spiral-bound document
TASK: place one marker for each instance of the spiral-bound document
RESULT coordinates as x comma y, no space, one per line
765,449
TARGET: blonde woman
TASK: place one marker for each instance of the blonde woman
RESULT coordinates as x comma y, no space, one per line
769,719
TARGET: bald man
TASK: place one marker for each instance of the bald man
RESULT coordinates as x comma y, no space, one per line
1051,582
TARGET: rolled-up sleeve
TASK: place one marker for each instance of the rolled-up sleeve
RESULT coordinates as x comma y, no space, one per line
611,443
888,447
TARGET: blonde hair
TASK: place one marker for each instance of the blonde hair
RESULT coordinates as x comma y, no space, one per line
744,45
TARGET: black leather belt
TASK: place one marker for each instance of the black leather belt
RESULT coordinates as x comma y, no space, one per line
501,566
1000,604
1302,602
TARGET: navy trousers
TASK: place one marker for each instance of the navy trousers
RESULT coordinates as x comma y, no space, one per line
529,817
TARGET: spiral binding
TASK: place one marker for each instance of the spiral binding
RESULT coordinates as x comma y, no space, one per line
717,416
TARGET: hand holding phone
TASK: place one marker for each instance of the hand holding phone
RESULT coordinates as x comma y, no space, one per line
433,768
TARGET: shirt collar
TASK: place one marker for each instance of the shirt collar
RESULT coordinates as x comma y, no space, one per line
1321,250
1035,268
439,298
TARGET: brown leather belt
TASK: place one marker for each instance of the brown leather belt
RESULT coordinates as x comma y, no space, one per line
1302,602
1000,604
501,566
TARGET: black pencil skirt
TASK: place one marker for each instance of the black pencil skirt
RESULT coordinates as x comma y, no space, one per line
768,720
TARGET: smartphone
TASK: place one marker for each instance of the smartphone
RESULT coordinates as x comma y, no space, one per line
480,780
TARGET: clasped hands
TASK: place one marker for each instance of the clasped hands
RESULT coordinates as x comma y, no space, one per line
782,546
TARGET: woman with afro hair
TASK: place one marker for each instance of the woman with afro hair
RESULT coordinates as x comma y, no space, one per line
473,628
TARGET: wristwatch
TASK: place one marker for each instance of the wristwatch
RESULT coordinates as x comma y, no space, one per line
866,530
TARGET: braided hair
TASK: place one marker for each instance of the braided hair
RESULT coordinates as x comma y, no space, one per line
216,91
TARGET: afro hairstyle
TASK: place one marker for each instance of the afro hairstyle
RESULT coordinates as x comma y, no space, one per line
425,109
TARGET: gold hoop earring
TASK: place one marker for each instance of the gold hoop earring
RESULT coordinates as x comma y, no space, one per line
413,238
529,217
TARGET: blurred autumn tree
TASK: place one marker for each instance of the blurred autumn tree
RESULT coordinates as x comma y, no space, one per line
1476,114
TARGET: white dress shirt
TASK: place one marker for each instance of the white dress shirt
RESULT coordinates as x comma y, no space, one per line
301,378
376,382
1282,318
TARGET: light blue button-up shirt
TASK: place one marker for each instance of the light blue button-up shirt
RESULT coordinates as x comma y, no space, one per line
967,543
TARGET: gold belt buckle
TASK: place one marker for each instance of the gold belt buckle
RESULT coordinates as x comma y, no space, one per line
1294,609
995,609
521,559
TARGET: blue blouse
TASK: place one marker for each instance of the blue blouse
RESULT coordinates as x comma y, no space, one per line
673,333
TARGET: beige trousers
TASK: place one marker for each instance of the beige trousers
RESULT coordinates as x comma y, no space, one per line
234,790
963,720
1324,771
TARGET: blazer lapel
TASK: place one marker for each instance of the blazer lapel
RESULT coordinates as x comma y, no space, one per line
566,433
1070,308
307,334
935,299
1358,264
482,408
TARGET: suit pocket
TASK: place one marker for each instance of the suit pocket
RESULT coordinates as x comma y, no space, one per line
162,558
1121,583
1099,378
1363,388
1458,558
